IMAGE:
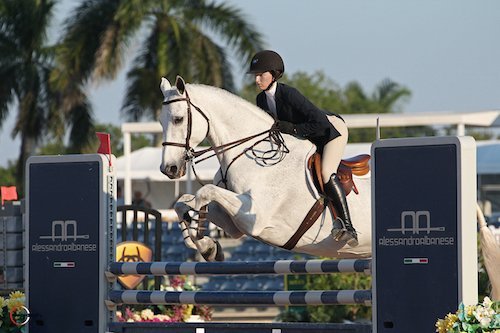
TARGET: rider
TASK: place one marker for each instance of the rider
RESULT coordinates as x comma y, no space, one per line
296,115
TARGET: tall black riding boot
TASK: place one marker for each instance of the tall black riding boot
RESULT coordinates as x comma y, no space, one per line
343,230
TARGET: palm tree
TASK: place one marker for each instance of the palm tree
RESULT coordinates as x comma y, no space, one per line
26,66
386,98
177,37
355,99
388,94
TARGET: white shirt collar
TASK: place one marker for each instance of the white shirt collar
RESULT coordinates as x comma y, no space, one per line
272,91
271,100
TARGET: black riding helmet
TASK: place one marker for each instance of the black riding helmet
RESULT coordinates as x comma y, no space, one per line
267,61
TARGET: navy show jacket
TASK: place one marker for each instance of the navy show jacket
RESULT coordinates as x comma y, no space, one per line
310,122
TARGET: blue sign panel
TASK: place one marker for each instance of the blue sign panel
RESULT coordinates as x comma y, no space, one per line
424,231
63,208
416,232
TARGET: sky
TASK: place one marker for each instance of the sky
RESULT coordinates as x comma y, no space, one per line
446,52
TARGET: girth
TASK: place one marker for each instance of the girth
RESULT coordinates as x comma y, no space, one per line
357,165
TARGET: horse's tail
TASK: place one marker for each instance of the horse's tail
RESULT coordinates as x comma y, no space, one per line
491,254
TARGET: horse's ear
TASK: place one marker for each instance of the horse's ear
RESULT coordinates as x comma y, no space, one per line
180,85
164,86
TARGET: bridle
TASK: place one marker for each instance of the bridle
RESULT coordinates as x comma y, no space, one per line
189,153
276,154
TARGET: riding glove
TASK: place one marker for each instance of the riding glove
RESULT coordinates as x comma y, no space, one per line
286,127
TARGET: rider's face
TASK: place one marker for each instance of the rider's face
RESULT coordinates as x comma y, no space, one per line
263,80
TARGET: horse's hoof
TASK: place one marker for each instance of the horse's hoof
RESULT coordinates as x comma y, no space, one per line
208,255
186,216
214,253
219,255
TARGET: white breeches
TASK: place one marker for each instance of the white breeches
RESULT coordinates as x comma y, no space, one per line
334,150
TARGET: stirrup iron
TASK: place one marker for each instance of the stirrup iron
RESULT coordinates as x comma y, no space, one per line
342,233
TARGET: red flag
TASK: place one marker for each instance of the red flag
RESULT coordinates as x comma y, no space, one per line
105,147
8,193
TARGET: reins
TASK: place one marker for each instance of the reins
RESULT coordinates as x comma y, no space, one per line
268,157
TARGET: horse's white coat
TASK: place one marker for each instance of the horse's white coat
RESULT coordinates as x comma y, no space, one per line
265,202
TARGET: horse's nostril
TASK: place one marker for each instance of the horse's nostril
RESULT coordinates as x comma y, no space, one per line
172,170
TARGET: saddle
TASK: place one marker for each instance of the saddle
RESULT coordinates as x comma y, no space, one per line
357,165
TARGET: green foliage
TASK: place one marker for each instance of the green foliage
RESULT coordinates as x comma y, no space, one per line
318,88
30,82
115,136
7,175
369,134
249,91
56,146
339,313
291,315
480,134
326,94
332,313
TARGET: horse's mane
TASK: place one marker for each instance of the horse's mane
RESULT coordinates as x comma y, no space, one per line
215,94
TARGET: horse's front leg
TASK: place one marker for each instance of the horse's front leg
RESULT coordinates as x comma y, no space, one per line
240,208
218,215
225,209
190,227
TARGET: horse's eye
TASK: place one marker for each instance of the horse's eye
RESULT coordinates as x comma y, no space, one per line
177,120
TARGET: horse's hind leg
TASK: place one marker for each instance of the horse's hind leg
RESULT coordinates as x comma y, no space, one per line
188,219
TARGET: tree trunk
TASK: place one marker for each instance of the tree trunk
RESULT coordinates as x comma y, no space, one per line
27,149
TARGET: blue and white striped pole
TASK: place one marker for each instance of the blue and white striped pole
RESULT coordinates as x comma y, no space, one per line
244,298
242,267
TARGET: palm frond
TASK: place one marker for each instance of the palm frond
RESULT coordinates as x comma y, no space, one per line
81,125
178,40
388,93
83,32
229,24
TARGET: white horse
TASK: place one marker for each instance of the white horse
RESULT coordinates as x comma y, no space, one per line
263,188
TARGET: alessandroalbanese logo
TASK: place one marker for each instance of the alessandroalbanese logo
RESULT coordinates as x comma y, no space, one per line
419,222
64,235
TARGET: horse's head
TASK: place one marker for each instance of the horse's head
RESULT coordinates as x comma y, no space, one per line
184,127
